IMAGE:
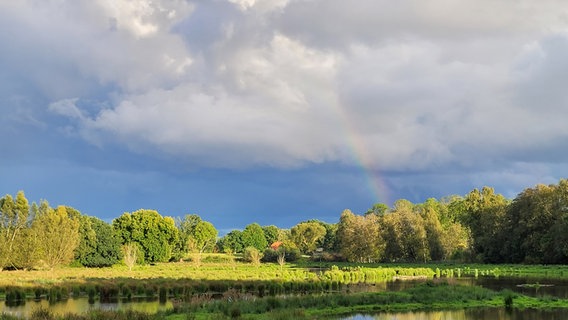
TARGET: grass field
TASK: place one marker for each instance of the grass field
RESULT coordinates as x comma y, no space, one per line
300,271
225,270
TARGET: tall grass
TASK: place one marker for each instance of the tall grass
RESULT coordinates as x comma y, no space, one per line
219,275
421,296
238,303
261,281
44,314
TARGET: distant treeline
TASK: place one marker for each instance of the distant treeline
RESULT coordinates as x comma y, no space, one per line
479,227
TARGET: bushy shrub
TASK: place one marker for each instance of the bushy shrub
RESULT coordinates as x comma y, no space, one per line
42,314
15,294
290,254
329,257
269,255
252,255
508,297
218,259
98,244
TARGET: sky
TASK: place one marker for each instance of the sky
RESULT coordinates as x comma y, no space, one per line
278,111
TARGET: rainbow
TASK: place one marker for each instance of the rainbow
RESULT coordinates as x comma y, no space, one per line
359,151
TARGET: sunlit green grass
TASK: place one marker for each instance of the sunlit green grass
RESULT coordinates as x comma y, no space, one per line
269,292
218,267
313,280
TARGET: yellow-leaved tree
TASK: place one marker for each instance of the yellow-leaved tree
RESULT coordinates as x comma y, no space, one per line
359,237
57,232
14,217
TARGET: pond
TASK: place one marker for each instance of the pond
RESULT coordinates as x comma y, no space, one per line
528,286
539,287
469,314
536,287
81,305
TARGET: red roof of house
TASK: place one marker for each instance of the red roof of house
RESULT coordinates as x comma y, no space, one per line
276,245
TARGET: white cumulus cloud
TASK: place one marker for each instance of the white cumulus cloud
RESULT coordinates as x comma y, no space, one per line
239,83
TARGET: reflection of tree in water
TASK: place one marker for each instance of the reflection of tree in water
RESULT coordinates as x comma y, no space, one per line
81,305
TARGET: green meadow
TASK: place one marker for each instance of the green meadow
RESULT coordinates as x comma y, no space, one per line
306,289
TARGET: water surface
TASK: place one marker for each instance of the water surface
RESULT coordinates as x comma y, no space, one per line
547,287
82,305
469,314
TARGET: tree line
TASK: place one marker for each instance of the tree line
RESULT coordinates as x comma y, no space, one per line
481,226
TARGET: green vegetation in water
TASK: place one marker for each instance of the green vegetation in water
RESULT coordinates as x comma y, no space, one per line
451,269
44,314
426,296
534,285
183,281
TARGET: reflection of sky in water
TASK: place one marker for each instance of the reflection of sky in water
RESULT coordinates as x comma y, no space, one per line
470,314
82,305
433,315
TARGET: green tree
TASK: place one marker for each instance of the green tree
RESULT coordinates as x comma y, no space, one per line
98,244
28,254
456,209
232,242
203,237
484,214
446,237
457,238
272,234
405,234
155,235
379,209
87,239
535,225
455,243
57,231
329,240
306,235
555,242
186,228
14,219
430,212
390,230
358,237
253,236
